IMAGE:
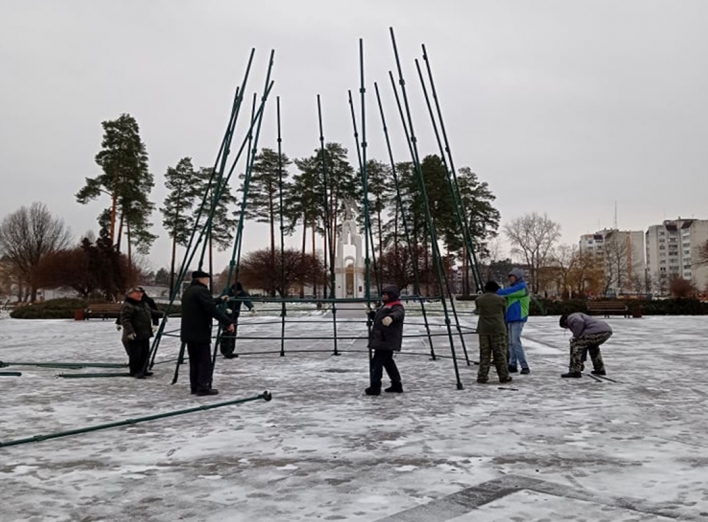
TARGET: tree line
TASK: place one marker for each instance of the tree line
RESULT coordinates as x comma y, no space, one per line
36,249
105,264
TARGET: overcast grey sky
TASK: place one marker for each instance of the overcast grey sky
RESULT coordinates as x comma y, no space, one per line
563,107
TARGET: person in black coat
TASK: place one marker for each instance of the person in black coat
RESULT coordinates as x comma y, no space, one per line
385,338
199,308
150,302
136,320
227,344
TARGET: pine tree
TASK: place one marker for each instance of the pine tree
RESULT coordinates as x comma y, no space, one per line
264,190
178,207
128,182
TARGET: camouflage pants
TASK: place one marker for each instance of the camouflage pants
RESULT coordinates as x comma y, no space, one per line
580,346
492,345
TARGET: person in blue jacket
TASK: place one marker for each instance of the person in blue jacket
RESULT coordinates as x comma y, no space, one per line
517,312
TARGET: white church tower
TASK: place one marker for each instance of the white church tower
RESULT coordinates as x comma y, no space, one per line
349,262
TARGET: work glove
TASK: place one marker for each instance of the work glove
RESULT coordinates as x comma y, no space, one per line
386,321
119,327
229,311
155,328
253,311
224,297
131,337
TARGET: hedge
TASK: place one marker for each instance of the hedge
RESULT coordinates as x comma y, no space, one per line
64,309
52,309
677,306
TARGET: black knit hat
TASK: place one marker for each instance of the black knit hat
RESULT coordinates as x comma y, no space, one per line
563,323
392,291
491,286
198,274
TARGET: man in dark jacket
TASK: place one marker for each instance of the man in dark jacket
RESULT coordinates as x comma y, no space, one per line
198,310
588,334
386,337
227,344
136,320
491,328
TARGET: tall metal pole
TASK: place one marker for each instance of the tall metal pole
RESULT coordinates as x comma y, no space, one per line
437,260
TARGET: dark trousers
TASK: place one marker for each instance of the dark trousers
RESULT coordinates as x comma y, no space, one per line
227,344
492,346
383,359
200,368
138,351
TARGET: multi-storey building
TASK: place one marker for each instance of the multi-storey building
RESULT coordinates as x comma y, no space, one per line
671,252
620,254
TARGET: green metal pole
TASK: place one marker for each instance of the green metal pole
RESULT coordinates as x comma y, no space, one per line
437,259
91,375
190,254
475,265
459,209
283,282
10,374
130,422
67,365
328,239
257,118
406,232
365,190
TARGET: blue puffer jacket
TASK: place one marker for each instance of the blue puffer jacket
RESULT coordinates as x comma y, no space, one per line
517,298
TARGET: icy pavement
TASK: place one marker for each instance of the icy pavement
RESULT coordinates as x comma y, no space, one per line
547,450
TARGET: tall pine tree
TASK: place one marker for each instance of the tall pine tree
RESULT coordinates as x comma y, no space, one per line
127,181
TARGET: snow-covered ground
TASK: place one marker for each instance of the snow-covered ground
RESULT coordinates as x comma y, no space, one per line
547,450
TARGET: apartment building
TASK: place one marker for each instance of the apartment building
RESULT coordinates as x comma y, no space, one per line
671,252
620,253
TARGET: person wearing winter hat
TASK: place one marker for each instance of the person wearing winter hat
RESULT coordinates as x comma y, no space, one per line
517,313
491,328
588,334
385,338
198,311
227,344
136,320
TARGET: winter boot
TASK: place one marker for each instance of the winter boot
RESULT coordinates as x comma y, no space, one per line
482,381
372,391
572,375
525,371
513,369
599,372
396,387
508,379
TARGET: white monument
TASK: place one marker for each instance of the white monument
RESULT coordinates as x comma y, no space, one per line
349,262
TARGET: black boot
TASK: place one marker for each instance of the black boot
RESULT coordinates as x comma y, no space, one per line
396,387
599,372
513,369
372,391
572,375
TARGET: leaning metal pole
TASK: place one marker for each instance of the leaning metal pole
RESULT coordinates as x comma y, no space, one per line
437,260
404,220
475,265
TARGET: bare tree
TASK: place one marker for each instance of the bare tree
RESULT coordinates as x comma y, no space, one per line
680,287
616,266
532,236
701,255
26,236
566,258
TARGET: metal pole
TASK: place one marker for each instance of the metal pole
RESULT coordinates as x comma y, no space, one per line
129,422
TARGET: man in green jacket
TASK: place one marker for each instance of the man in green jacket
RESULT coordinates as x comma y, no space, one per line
491,328
517,312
